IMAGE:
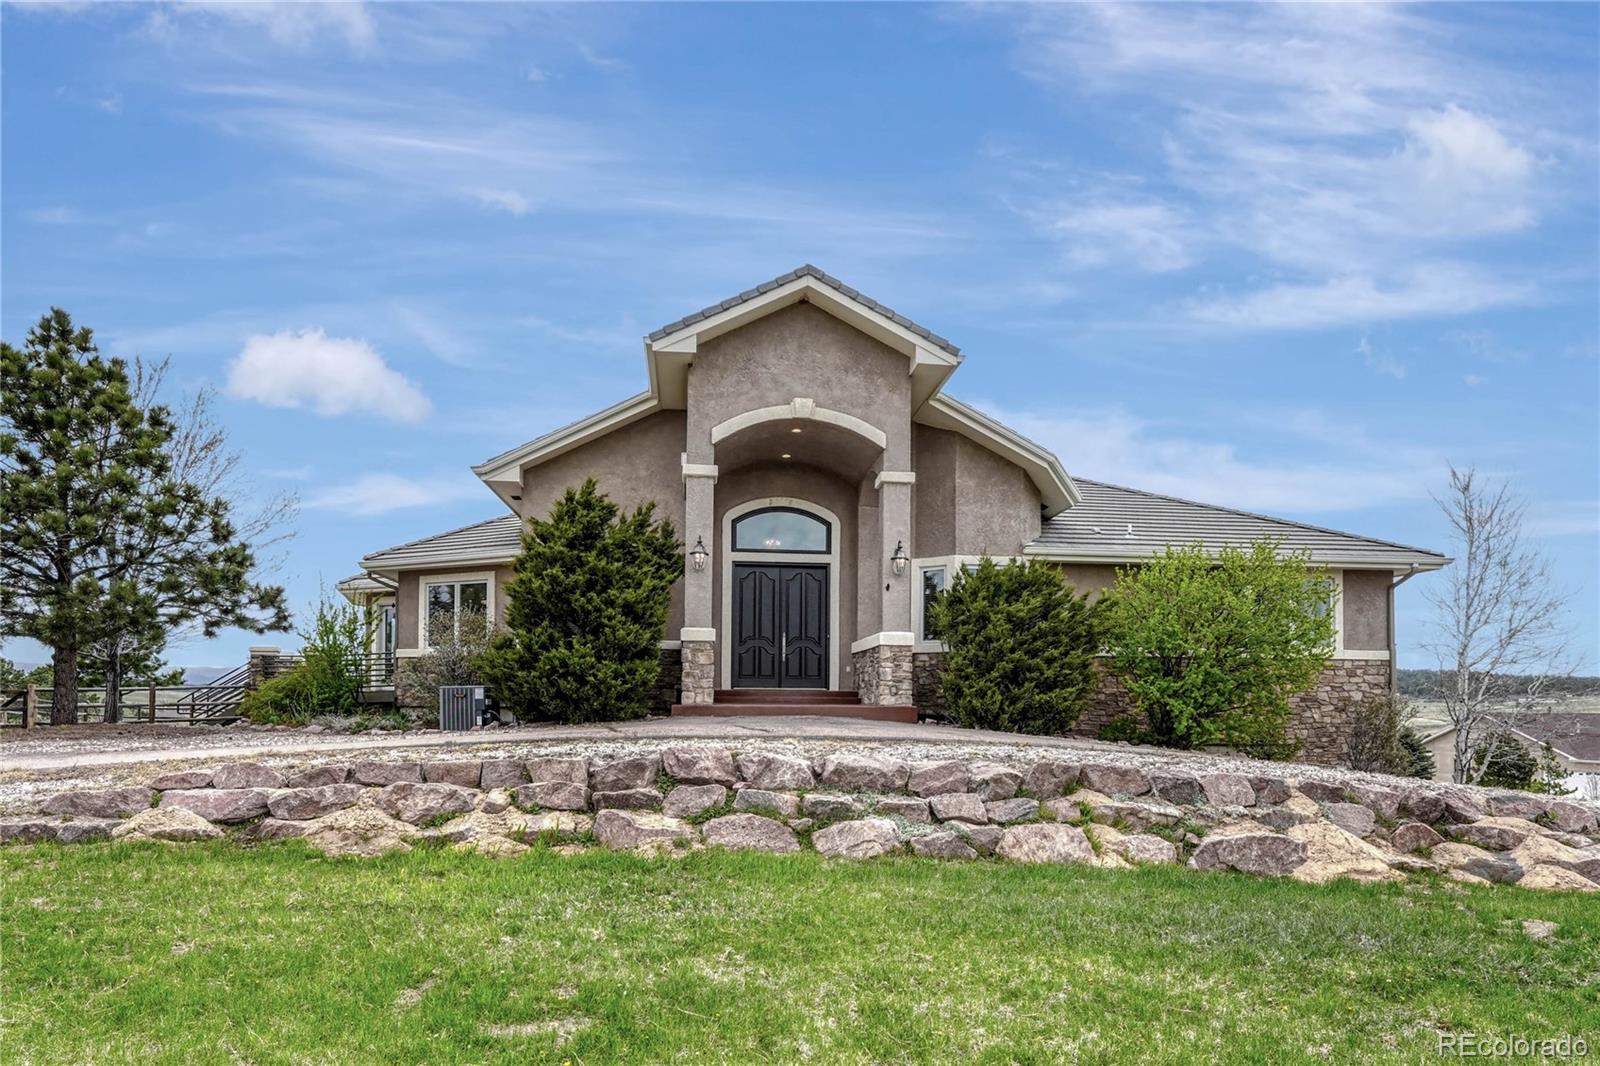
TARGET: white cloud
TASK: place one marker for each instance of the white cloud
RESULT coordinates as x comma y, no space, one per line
329,375
1150,236
503,199
373,494
1351,146
1436,289
291,24
1113,445
55,216
1475,380
1379,362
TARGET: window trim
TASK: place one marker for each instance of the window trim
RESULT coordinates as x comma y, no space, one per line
950,563
827,532
464,578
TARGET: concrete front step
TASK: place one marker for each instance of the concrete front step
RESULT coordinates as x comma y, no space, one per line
786,695
873,712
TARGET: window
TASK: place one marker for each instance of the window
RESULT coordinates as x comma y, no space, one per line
447,601
932,585
781,529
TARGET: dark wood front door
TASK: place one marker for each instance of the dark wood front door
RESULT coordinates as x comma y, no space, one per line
780,626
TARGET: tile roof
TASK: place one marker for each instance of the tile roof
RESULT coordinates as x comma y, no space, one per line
1122,524
493,539
832,282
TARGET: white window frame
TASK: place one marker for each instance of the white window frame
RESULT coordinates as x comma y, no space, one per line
486,576
950,563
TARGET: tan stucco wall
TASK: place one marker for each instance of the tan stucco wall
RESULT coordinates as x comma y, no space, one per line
996,505
408,597
934,495
1088,578
634,465
816,486
1366,609
800,351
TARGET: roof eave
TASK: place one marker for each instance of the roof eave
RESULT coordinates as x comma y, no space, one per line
1057,555
1057,492
379,564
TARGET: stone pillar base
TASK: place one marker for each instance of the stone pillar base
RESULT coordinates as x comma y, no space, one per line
883,669
699,658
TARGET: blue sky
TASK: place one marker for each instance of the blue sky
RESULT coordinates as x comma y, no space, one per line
1294,259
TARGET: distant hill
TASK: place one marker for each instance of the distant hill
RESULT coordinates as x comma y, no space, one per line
203,675
1424,683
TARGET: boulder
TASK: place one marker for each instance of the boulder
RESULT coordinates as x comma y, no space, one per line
991,781
1146,848
1272,854
1227,790
959,807
166,823
764,769
1045,842
1476,863
627,799
182,779
123,802
504,773
372,772
296,804
1556,879
495,800
1542,851
686,801
910,808
558,823
760,799
1269,789
1517,805
246,775
317,776
1462,807
931,779
556,795
868,773
1004,812
63,828
1115,780
830,805
1352,818
1047,778
1281,817
982,838
463,773
1325,791
573,770
1413,836
413,802
1332,853
945,845
1177,788
1383,802
363,831
478,825
272,829
700,766
1135,815
620,775
1423,805
1571,817
865,838
750,832
630,830
1497,834
494,847
220,804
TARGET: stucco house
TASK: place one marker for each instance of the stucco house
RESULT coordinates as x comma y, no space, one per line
800,437
1573,737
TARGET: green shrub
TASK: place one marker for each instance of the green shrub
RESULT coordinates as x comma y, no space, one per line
1509,763
330,674
282,700
585,612
1019,646
452,658
1412,757
1212,648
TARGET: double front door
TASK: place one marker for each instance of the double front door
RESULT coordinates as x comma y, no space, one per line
780,626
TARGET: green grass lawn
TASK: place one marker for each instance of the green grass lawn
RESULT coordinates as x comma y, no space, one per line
214,953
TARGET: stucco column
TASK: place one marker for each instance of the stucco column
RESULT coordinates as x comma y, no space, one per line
699,635
894,507
882,660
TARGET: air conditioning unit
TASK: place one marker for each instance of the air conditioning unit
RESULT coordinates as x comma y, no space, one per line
461,707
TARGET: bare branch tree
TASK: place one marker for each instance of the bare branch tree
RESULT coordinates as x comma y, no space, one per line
1500,622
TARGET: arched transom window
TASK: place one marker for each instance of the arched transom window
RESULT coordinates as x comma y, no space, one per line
781,529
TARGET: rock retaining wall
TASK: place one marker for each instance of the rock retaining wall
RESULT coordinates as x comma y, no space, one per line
858,805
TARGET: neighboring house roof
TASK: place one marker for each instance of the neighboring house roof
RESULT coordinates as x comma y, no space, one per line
496,540
359,583
1116,524
1575,735
794,275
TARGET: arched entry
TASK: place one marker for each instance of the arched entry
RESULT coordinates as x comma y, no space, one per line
780,606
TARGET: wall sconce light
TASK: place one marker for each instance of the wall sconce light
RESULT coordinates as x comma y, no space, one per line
698,553
899,559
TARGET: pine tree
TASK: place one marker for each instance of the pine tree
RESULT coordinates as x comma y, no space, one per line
585,612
